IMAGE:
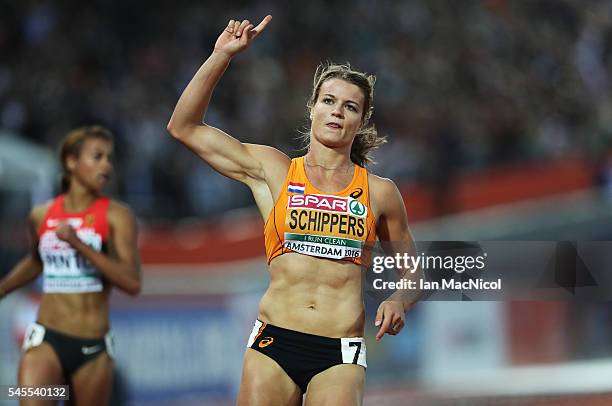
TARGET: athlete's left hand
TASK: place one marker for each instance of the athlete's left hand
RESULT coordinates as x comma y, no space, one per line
65,232
390,317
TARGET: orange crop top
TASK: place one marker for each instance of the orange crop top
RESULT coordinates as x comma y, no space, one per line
310,222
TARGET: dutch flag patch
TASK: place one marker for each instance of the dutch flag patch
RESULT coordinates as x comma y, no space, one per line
296,187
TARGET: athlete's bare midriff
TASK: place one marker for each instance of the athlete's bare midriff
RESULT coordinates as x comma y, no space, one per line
83,315
314,295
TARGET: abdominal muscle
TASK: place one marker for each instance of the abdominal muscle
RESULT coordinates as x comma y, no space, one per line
314,295
83,315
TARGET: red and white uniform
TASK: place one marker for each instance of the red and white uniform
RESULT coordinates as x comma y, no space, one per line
64,269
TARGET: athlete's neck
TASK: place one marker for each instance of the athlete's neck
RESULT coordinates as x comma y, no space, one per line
78,198
330,161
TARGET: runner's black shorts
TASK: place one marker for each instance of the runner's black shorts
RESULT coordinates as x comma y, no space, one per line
73,352
303,355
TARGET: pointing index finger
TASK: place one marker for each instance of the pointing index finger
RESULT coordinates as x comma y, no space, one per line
262,25
384,327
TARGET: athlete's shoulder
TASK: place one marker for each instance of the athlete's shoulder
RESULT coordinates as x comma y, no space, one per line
274,165
120,211
380,185
39,212
384,191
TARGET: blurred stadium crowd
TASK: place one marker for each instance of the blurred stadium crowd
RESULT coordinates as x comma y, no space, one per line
462,86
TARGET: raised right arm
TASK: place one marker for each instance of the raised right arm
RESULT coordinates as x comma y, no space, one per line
247,163
30,266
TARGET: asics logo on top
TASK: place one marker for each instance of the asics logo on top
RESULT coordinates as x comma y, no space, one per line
356,193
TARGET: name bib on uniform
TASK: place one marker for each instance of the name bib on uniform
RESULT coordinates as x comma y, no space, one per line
325,226
66,271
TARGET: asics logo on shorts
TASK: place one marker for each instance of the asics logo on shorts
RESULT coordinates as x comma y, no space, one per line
266,341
